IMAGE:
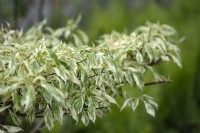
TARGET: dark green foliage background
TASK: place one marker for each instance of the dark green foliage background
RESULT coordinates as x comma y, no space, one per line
179,102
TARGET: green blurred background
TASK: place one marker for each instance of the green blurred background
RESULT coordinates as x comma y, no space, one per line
179,101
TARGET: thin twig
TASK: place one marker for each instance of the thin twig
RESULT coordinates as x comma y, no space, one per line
96,74
26,58
81,61
154,62
157,82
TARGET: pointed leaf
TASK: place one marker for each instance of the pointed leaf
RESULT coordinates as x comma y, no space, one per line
125,103
48,118
110,99
150,110
12,129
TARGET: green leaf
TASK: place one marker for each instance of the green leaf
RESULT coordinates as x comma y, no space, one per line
91,112
17,101
125,103
110,99
61,73
7,89
17,120
54,56
138,81
150,100
47,95
56,93
73,77
149,51
30,98
79,104
48,118
129,78
84,118
139,57
77,40
58,112
11,129
132,69
135,104
150,110
73,65
12,63
74,114
176,60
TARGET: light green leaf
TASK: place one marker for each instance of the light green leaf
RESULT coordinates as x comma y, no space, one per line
150,101
30,98
176,60
17,120
12,63
138,81
74,114
17,101
11,129
110,99
149,51
150,110
135,104
139,57
79,104
54,56
73,65
129,78
7,89
132,69
84,118
48,118
61,73
91,112
47,95
125,103
58,112
73,77
4,108
56,93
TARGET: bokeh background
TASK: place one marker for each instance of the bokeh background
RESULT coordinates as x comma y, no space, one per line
179,101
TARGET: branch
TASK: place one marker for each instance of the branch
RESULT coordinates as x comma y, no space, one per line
96,74
157,82
26,58
154,62
81,61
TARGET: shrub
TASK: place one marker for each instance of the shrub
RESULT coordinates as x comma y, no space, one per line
50,73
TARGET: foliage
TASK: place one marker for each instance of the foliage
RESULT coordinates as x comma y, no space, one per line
51,73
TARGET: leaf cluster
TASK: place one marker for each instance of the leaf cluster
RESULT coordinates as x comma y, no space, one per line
51,73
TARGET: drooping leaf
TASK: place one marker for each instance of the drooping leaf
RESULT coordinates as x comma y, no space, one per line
58,112
149,109
11,129
48,118
17,120
74,114
134,104
110,99
125,103
56,93
84,118
30,98
54,56
139,57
